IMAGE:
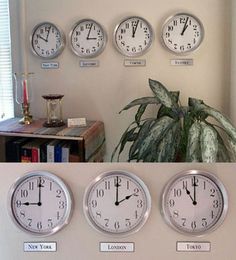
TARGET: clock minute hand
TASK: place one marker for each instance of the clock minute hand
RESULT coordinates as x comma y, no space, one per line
194,191
135,29
185,26
40,186
117,191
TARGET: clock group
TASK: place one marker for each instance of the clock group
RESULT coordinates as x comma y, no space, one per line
133,37
118,203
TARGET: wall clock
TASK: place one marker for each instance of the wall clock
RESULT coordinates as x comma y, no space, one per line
40,203
47,40
133,36
194,202
182,33
88,38
117,203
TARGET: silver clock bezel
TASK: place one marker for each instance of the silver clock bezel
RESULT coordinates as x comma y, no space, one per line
134,54
208,175
69,198
115,173
59,50
185,53
105,39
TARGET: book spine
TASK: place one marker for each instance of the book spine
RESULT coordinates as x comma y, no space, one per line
58,153
26,154
65,154
35,154
50,153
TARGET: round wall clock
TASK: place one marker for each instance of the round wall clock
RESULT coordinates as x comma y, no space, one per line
47,40
40,203
88,38
117,203
182,33
133,36
194,202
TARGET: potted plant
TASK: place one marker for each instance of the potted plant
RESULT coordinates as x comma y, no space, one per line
193,133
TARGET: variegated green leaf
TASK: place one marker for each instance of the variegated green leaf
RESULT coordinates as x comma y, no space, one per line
141,101
193,145
209,143
155,134
140,112
162,94
223,152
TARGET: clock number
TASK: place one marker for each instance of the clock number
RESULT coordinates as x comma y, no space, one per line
212,214
39,225
61,204
22,213
58,193
139,203
117,225
170,28
195,181
31,185
50,223
30,222
185,185
183,222
117,181
212,191
18,203
204,222
127,222
176,214
193,225
98,214
100,193
127,185
24,193
94,203
171,203
40,181
215,204
106,222
177,192
107,185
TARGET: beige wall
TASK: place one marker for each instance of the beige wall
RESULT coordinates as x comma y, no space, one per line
100,93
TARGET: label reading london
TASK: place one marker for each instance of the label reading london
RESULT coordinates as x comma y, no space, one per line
116,247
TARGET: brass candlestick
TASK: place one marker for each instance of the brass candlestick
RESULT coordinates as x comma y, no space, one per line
27,118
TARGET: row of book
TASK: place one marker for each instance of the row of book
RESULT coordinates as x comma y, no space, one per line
40,150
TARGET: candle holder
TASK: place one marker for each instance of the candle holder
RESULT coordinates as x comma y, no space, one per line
54,110
23,95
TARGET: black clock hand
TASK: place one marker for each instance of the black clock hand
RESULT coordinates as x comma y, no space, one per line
39,36
30,203
185,26
194,190
39,186
88,38
48,33
117,191
128,197
188,193
135,29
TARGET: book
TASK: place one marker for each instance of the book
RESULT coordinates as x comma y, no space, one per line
26,153
58,152
13,149
51,150
65,151
43,150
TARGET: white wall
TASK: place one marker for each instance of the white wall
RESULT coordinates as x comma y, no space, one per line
100,93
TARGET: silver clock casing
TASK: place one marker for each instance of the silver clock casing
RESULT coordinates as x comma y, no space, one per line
68,194
212,178
62,38
104,42
98,179
168,20
144,50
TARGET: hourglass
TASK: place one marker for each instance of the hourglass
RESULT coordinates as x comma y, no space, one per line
54,110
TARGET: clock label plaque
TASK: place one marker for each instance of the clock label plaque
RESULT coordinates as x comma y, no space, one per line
134,63
116,247
193,246
40,246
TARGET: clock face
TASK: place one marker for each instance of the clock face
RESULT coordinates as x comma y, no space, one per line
47,40
194,202
182,33
133,36
117,203
40,203
88,38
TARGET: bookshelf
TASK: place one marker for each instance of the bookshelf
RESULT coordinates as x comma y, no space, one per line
88,142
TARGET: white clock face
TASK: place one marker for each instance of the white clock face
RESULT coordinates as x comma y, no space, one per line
47,40
182,33
40,203
194,202
133,36
88,38
117,203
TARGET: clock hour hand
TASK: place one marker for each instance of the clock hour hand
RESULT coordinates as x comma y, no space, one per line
48,33
185,26
135,29
39,36
88,38
31,203
128,197
188,193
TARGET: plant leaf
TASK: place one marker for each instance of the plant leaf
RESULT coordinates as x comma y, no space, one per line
162,94
139,113
141,101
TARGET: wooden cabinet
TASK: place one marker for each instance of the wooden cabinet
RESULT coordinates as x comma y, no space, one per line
88,141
